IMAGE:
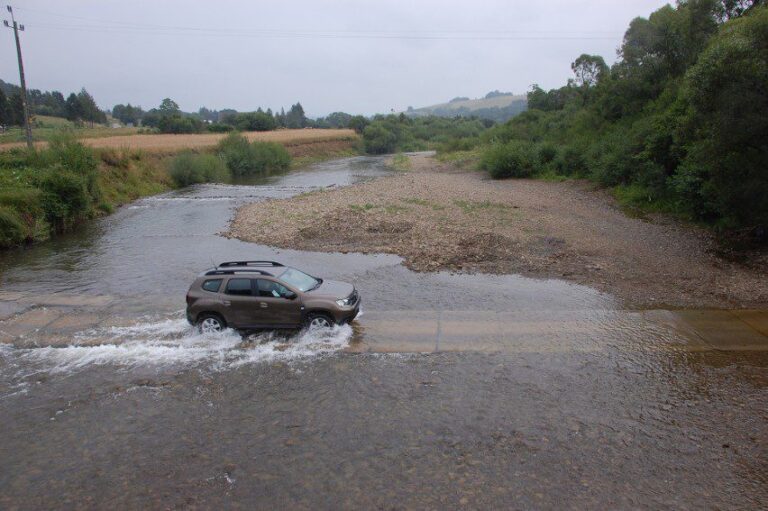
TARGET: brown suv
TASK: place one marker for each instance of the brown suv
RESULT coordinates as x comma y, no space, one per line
265,294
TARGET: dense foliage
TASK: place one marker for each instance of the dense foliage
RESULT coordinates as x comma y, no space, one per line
234,157
677,123
188,168
48,190
391,133
77,107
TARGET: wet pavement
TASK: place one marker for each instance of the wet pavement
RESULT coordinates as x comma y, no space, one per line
450,391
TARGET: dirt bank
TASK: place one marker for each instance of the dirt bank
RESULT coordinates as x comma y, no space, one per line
438,218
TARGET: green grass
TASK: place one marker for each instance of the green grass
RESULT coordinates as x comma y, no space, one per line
361,208
637,201
423,202
550,174
50,126
464,159
401,162
471,207
395,208
305,161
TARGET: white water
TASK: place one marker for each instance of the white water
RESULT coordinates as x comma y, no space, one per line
170,342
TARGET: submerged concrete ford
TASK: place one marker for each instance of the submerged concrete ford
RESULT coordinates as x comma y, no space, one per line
248,295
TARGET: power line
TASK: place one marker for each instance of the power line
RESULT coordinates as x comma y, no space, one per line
230,33
459,35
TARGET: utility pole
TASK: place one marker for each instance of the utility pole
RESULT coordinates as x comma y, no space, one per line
16,28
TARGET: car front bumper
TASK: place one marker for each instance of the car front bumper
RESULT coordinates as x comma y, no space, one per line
347,316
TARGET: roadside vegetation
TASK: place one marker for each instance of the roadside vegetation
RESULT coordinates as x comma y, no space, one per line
677,125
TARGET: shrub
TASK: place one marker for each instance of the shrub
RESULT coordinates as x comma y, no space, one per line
236,152
189,168
547,153
65,197
459,144
513,159
26,202
115,158
218,127
12,230
178,124
570,162
245,159
270,157
377,139
254,121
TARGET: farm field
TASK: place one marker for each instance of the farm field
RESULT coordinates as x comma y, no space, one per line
169,143
45,126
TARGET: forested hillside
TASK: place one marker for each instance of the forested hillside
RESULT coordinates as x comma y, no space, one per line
679,123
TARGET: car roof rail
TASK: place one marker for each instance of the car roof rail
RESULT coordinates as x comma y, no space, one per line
235,271
230,264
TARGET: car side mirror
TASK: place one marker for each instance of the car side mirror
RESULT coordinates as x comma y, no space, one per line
290,295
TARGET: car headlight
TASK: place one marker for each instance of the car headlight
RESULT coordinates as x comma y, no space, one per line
343,302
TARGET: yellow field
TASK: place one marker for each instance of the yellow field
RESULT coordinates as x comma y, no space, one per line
166,143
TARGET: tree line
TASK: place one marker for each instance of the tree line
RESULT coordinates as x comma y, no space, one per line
81,108
78,107
677,124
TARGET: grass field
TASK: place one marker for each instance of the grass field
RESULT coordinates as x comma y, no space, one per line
44,126
166,143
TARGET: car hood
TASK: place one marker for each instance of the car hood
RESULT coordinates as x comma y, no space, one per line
333,289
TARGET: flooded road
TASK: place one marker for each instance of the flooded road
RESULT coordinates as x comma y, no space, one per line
449,391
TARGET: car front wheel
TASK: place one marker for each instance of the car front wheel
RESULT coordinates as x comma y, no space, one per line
319,321
210,324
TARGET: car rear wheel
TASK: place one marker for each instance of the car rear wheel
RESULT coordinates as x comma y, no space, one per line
317,320
210,324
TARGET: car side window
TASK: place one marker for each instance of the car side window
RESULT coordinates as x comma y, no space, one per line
271,289
212,285
239,287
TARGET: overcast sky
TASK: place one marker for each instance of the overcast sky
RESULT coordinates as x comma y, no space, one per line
358,56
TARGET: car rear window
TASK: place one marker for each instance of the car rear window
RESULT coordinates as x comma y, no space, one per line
212,285
240,287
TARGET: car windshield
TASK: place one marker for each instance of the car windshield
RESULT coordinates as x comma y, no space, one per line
299,279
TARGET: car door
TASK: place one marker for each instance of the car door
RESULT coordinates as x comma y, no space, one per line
282,304
241,303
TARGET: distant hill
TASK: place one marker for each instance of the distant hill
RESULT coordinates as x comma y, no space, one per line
497,106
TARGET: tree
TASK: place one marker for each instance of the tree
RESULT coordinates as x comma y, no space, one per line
127,114
295,117
338,120
73,108
358,123
589,70
254,121
5,110
168,107
725,173
89,108
17,109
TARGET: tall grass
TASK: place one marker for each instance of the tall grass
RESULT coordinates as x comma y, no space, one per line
189,168
246,159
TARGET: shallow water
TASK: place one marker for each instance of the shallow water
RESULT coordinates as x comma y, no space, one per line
450,391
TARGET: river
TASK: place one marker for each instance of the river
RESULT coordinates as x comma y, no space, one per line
451,390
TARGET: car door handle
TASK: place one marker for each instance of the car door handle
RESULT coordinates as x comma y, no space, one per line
227,303
263,305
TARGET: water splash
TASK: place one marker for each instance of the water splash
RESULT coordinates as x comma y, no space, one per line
171,341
